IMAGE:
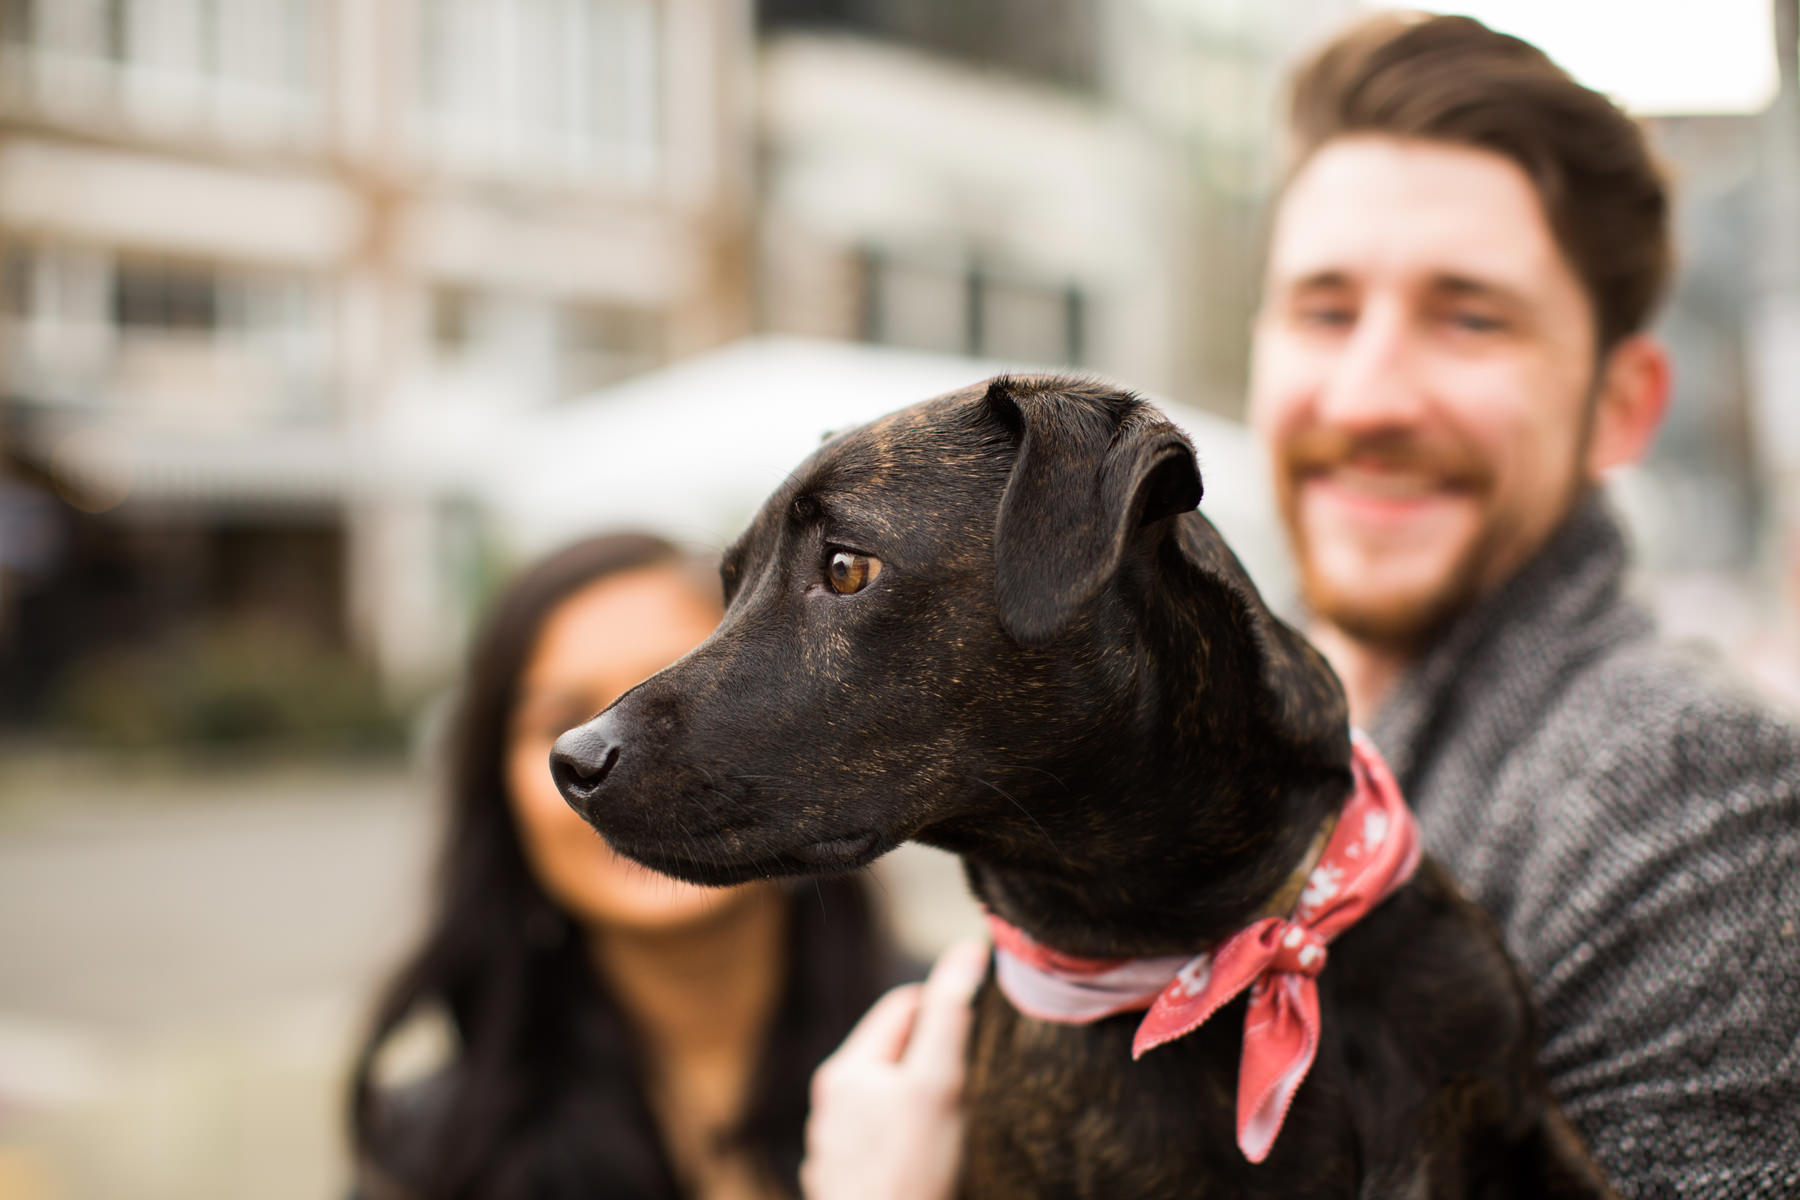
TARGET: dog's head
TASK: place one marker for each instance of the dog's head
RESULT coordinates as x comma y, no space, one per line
982,621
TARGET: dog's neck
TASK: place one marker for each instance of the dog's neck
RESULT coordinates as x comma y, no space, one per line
1154,903
1288,894
1176,826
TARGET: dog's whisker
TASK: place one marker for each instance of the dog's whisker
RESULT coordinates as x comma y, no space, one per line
721,793
686,836
1050,775
874,877
1015,803
723,853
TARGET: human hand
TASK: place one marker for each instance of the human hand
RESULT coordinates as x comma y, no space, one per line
887,1120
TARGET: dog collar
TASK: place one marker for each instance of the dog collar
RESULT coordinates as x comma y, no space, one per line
1372,850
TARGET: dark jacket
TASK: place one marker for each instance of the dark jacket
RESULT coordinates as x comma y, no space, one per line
1631,817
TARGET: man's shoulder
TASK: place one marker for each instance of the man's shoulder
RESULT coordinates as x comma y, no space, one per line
1645,762
1672,714
1654,894
1629,811
1654,780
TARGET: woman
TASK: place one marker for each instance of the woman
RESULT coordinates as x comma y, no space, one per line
617,1033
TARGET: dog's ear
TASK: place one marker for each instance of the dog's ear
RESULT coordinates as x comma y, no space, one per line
1092,469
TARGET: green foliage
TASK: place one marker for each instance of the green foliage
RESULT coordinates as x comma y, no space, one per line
234,685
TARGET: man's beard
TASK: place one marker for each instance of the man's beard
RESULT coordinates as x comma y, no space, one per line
1403,619
1399,621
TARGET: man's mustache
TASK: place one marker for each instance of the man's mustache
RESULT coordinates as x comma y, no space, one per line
1316,450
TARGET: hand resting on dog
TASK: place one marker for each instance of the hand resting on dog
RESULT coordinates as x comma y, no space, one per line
887,1105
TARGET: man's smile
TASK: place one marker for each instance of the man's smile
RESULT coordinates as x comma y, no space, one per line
1375,496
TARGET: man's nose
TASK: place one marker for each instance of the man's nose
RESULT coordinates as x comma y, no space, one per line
1375,382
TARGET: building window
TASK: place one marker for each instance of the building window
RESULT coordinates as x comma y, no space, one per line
452,320
546,87
165,297
15,281
1056,40
233,67
116,40
920,305
83,328
599,344
971,309
15,22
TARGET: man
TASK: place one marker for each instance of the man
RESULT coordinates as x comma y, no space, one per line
1450,355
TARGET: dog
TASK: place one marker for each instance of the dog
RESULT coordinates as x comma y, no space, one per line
993,622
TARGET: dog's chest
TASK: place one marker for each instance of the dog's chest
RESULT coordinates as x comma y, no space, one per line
1064,1111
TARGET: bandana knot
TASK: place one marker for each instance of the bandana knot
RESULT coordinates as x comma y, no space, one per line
1298,950
1373,850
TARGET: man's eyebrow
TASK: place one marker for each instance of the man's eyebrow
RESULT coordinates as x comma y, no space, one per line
1321,280
1460,286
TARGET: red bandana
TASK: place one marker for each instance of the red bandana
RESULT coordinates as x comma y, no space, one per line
1372,851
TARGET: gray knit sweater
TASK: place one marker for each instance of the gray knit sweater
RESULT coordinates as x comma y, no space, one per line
1632,819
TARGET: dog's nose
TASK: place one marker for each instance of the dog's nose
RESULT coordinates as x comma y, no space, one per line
582,758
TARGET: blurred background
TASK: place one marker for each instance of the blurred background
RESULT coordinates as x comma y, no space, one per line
316,316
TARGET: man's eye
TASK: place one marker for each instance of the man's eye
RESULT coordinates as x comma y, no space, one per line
1327,316
849,572
1474,322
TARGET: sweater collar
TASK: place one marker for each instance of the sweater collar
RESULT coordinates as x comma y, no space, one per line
1556,606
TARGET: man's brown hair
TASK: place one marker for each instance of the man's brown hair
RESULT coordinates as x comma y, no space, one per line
1452,79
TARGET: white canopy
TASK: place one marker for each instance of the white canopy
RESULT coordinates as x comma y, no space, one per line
691,450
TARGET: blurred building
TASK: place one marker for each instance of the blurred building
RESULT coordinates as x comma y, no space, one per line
269,268
275,274
1067,183
910,200
279,277
948,178
1718,500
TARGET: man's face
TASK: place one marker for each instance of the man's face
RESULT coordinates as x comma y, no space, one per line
1423,363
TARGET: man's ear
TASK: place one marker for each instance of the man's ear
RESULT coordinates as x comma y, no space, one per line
1629,407
1092,469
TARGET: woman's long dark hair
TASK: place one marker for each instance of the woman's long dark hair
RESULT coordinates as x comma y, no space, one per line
545,1097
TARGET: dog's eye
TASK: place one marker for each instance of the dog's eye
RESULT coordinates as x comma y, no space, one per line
850,572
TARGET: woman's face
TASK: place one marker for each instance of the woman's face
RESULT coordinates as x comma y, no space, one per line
599,642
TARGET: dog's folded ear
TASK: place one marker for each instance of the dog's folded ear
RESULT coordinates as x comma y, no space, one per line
1093,468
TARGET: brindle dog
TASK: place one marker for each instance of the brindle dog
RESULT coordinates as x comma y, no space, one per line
992,622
